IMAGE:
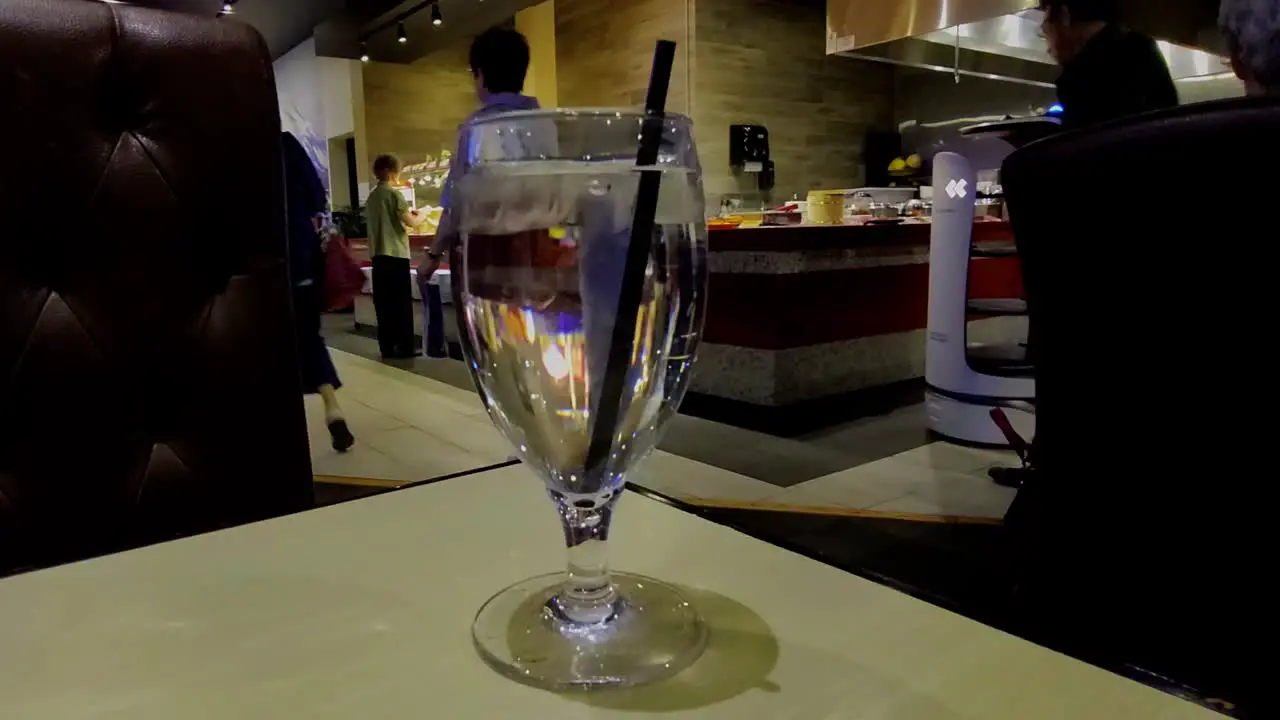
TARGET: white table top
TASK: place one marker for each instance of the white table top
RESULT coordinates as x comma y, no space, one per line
363,610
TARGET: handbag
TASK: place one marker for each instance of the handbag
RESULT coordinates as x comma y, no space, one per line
343,279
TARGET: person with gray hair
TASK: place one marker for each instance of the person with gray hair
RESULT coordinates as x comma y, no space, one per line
1252,29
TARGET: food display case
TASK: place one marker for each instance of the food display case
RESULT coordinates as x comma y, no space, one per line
424,184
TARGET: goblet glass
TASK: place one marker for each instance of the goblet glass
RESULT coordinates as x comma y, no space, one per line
545,205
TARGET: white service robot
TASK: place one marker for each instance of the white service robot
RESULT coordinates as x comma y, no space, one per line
967,380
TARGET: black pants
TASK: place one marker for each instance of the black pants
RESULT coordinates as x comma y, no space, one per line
393,304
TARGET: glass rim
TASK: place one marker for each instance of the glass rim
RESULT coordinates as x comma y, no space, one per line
591,112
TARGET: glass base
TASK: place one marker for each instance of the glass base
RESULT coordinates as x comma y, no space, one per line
653,633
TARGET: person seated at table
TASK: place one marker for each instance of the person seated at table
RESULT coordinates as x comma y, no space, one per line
389,220
1109,71
1252,29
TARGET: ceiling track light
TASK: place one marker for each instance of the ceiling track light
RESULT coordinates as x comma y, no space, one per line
402,35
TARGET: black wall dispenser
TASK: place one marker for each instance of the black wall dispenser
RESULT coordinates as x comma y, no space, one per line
749,153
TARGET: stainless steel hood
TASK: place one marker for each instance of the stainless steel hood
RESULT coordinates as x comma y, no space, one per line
859,23
996,39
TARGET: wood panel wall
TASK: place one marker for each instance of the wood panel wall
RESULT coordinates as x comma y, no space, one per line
764,62
412,110
740,61
604,51
538,23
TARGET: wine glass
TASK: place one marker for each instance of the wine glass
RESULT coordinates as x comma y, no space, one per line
546,205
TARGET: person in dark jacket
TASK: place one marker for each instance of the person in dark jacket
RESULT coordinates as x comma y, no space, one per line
1252,30
305,202
1108,71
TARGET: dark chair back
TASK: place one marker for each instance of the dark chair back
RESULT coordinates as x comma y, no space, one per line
1146,249
148,387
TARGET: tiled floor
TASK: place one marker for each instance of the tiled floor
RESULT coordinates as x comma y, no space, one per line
407,428
937,479
774,460
690,480
410,428
419,419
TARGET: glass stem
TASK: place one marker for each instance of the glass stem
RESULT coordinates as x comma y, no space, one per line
588,595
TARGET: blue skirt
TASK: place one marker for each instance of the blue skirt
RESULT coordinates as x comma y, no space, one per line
314,364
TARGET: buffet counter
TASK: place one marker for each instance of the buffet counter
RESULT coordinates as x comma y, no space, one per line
802,315
811,312
418,243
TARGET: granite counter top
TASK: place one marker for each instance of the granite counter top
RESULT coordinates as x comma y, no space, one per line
794,238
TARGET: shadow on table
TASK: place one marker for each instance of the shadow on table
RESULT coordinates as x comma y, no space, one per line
740,655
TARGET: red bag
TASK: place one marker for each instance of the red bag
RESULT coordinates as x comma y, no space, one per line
343,279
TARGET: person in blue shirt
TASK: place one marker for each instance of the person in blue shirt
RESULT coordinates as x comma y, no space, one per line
499,63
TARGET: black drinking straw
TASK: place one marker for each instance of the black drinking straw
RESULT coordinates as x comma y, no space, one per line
638,248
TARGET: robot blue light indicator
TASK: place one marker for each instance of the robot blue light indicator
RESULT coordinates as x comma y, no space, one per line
1054,109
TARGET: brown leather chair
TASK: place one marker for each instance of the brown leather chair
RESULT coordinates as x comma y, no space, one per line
148,387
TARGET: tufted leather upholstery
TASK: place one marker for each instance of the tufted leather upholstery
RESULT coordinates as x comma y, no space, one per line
147,381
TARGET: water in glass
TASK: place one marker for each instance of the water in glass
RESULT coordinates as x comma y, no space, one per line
546,211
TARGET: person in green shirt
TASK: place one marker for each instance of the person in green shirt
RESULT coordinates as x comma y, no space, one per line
389,219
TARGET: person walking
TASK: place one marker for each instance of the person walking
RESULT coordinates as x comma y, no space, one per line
389,220
305,202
